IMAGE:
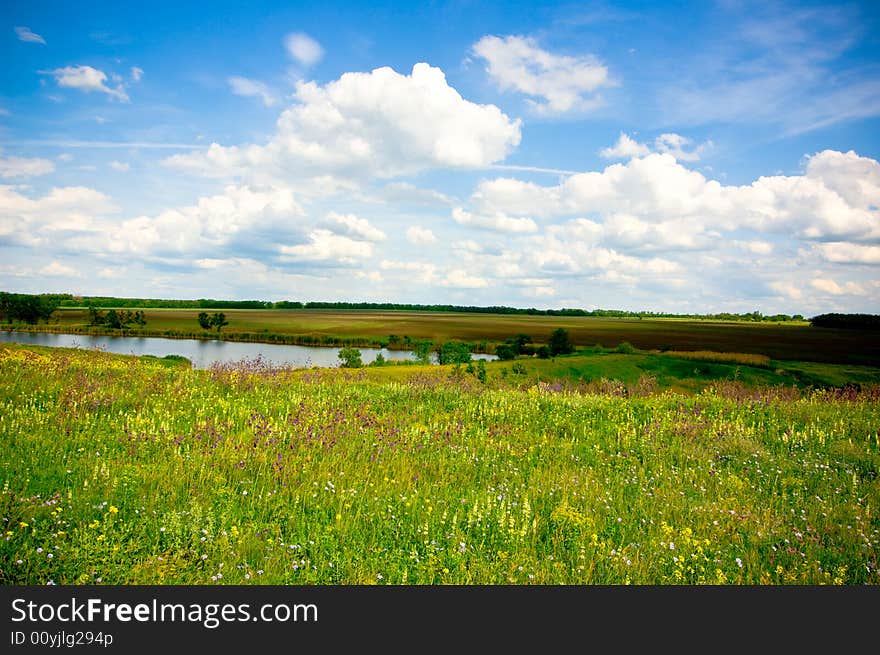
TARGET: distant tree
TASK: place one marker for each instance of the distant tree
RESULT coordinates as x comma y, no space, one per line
847,321
423,352
560,342
350,358
379,361
218,320
96,317
505,351
454,352
215,321
113,320
543,352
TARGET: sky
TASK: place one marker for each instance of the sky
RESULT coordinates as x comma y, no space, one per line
691,157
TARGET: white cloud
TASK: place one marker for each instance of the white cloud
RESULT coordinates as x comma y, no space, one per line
420,236
657,189
57,269
303,48
462,280
831,287
377,124
119,166
87,79
849,253
561,83
242,86
325,246
678,146
25,34
65,157
497,222
136,74
356,228
24,166
37,222
625,148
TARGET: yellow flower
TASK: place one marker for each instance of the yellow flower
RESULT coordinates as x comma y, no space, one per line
113,509
23,524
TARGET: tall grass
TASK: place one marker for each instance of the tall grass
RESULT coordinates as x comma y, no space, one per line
120,470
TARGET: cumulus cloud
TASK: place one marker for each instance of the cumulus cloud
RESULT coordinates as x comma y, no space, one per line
325,246
120,166
497,222
353,226
26,35
420,236
823,204
680,147
849,253
24,166
463,280
625,148
303,48
831,287
555,83
242,86
377,124
57,269
136,74
87,79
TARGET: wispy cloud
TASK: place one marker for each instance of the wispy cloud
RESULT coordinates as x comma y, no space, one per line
243,86
303,48
556,84
25,34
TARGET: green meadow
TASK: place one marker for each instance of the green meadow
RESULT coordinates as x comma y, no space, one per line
598,468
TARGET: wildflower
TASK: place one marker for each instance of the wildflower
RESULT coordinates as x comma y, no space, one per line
18,561
739,562
204,557
379,576
113,509
39,550
247,576
50,555
23,524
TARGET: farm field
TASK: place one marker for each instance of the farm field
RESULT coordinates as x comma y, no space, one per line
123,470
782,341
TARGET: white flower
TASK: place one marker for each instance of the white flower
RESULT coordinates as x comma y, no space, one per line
739,562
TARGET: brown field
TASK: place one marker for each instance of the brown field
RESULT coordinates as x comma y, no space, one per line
777,341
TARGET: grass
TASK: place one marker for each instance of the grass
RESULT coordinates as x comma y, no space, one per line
363,328
123,470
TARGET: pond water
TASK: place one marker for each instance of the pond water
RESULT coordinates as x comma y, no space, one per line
204,353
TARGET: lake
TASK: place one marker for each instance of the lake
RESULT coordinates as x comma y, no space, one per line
204,353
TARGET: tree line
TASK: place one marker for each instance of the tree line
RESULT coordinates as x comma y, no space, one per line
209,303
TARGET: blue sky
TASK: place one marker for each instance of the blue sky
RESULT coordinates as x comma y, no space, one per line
692,157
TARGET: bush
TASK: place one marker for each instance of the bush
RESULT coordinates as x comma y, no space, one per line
350,358
560,342
625,348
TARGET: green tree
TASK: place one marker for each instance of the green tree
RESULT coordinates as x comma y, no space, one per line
423,352
204,320
350,358
113,320
454,352
218,320
560,342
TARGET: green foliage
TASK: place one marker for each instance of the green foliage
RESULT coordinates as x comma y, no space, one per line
481,370
215,321
423,351
28,308
847,321
454,352
625,348
560,342
350,358
378,361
